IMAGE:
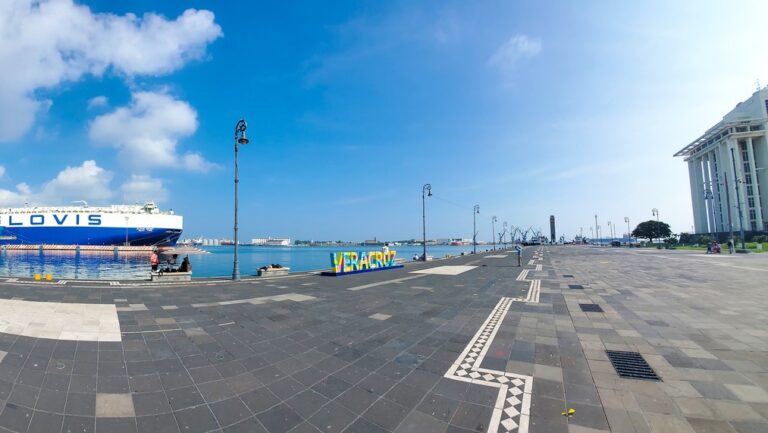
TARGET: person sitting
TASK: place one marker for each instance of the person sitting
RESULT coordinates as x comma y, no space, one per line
186,266
154,261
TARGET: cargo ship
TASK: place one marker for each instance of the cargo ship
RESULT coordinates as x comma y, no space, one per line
129,225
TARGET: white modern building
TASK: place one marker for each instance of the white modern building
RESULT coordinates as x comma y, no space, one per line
727,170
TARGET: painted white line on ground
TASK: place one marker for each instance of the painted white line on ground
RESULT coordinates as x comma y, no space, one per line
445,270
496,256
60,321
296,297
523,275
382,283
538,267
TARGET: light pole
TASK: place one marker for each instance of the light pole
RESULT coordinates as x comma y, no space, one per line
610,231
426,191
629,231
736,182
597,232
475,211
240,138
591,233
655,213
493,231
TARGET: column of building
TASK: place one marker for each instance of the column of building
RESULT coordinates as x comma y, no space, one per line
753,199
709,203
697,195
717,190
730,218
761,167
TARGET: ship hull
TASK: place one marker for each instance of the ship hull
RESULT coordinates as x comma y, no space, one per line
89,227
88,236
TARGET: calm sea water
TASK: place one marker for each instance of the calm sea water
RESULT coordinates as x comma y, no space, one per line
218,263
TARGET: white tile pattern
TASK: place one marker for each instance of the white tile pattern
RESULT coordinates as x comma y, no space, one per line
445,270
60,321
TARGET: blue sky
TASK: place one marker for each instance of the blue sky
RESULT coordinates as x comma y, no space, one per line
525,109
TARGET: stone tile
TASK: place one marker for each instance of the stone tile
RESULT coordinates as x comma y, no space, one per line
386,414
230,411
332,418
748,393
418,422
114,405
702,425
195,419
279,419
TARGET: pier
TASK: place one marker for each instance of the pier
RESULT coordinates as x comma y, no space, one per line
467,344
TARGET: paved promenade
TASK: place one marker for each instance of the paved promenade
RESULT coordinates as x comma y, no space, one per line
471,344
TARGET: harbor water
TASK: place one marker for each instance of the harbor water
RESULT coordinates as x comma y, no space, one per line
102,265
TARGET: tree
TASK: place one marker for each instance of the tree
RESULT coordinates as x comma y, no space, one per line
652,230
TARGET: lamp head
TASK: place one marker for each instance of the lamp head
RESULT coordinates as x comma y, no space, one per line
243,139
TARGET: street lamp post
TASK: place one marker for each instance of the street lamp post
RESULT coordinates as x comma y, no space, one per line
504,236
610,232
240,138
655,213
493,231
475,211
629,231
736,182
597,232
426,191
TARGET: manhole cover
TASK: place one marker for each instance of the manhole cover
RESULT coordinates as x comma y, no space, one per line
591,308
575,287
567,276
631,365
409,359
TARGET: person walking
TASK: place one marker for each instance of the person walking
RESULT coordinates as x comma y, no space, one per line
730,246
519,251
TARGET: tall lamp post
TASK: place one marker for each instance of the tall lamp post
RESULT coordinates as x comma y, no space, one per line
597,232
493,231
610,231
240,138
736,182
629,231
475,211
426,191
655,213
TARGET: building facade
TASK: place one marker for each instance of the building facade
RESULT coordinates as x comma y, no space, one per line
727,170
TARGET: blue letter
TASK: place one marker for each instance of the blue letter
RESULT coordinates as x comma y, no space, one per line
10,221
94,220
36,220
60,221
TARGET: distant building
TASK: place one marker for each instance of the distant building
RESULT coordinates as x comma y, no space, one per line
739,140
271,242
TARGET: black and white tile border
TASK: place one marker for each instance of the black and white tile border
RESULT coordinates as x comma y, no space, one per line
511,413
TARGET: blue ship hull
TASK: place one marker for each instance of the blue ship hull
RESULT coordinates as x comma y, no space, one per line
88,236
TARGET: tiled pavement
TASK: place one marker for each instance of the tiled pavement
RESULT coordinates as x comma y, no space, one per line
307,354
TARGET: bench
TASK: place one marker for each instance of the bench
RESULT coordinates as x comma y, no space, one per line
272,272
170,276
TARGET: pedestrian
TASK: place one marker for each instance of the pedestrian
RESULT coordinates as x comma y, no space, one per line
709,247
385,249
154,261
730,245
519,251
185,265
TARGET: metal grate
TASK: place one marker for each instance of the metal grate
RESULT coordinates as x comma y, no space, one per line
591,308
575,287
567,276
631,365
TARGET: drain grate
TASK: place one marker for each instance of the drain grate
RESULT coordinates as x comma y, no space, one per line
575,287
631,365
591,308
567,276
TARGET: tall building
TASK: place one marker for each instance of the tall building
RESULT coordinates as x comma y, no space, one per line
737,144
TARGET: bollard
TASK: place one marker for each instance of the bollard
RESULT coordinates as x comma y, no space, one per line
37,277
48,277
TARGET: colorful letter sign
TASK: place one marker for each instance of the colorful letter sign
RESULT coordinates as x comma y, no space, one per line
364,261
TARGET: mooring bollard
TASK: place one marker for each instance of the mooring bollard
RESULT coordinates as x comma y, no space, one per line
37,277
48,277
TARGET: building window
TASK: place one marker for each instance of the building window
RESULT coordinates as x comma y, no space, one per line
749,190
754,226
751,202
766,111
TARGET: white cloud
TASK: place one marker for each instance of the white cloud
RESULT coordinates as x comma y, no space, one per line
2,171
142,188
87,182
98,101
147,131
518,47
46,43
